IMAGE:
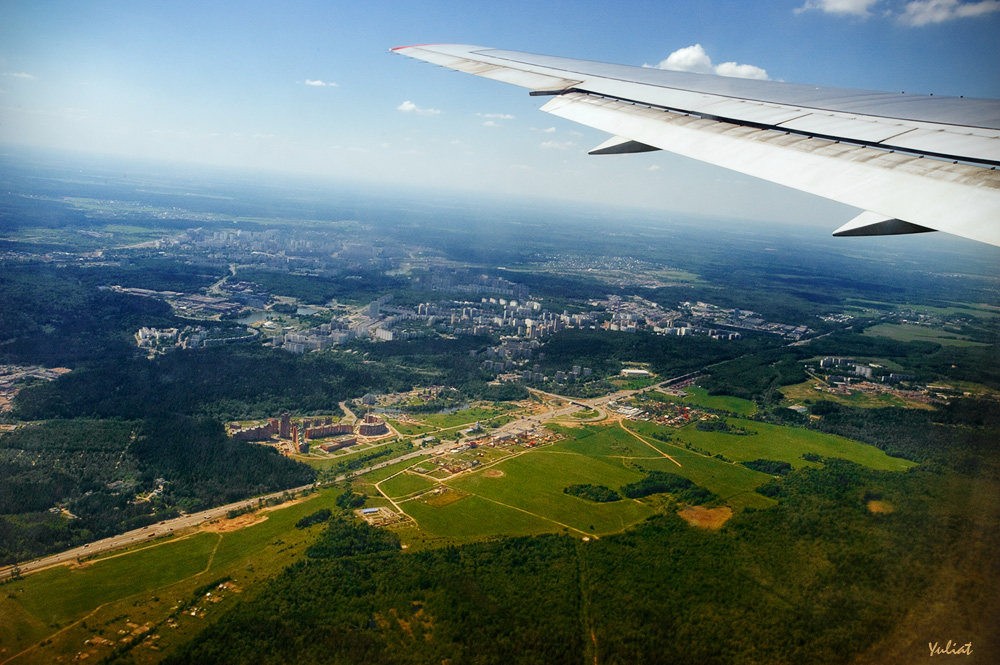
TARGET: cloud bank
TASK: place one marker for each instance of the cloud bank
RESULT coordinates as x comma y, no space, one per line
840,7
410,107
915,13
926,12
695,59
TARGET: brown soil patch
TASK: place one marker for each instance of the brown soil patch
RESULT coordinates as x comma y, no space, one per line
707,518
492,473
881,507
286,504
235,524
445,498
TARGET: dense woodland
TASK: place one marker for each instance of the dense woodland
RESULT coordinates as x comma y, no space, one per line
816,579
96,469
820,578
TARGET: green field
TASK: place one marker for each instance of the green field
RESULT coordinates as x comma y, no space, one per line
698,396
146,584
786,444
806,391
464,417
471,518
519,495
909,332
534,482
528,487
410,429
352,453
405,484
975,309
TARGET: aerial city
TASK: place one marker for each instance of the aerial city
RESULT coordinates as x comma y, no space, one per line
310,353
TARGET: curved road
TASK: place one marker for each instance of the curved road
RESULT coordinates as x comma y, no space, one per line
170,527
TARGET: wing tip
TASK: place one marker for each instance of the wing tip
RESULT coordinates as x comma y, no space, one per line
400,48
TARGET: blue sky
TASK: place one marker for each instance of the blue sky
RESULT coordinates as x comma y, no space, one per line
239,84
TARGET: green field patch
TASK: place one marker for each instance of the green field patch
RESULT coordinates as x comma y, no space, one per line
801,392
698,396
601,441
410,429
633,384
786,444
974,309
749,500
535,481
404,484
443,496
910,332
62,595
474,518
724,478
365,482
675,275
354,452
144,584
464,417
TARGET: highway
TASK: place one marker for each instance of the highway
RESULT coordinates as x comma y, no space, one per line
194,520
178,524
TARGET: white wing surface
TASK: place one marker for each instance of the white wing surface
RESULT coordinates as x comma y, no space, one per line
913,163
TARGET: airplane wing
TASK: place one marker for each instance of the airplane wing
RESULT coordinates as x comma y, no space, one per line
913,163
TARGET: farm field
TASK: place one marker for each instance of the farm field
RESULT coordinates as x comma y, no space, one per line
528,487
404,484
908,332
698,396
785,444
465,416
409,428
521,494
801,392
65,606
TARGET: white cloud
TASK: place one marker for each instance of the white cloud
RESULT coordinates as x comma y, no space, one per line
496,116
841,7
926,12
915,12
410,107
321,84
695,59
550,130
556,145
655,167
21,75
490,123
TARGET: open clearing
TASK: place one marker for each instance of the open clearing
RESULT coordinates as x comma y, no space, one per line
521,494
806,391
698,396
910,332
144,585
784,444
706,518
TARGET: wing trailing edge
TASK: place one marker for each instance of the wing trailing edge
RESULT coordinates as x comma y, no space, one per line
914,163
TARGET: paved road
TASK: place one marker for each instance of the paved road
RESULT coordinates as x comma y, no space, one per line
172,526
168,527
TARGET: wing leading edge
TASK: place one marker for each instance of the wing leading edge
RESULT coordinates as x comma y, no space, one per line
913,163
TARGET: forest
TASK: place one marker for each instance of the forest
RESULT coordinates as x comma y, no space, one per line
95,470
817,579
